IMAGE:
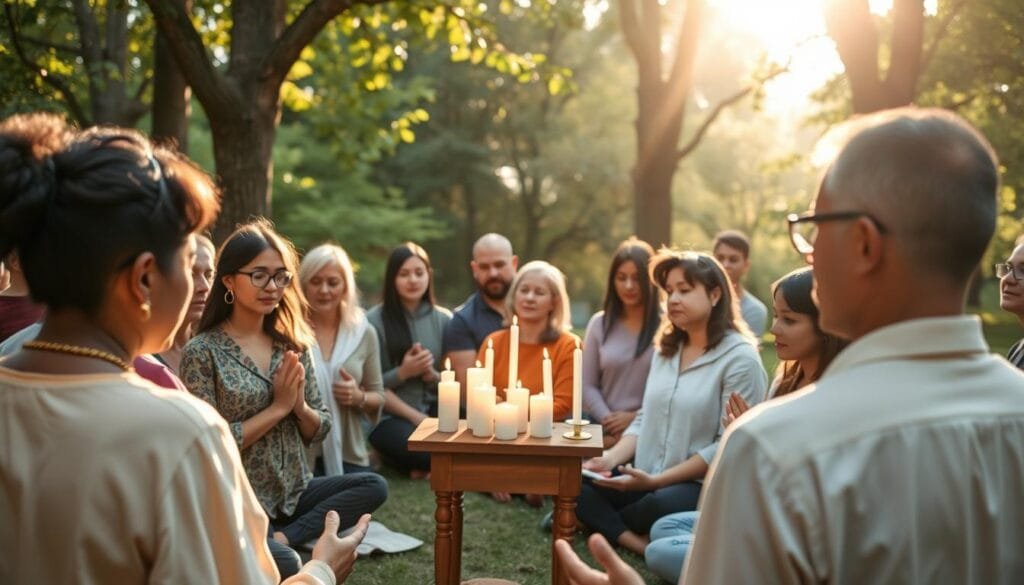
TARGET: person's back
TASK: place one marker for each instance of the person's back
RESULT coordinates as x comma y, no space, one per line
898,467
92,463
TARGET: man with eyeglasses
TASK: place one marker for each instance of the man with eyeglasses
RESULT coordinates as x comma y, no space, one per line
1011,295
905,462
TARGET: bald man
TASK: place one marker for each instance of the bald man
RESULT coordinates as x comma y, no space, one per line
494,266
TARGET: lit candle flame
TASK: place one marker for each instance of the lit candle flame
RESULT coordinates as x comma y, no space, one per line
447,363
577,344
515,320
478,364
490,344
546,356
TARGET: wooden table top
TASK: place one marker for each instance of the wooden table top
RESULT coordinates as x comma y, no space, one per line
428,438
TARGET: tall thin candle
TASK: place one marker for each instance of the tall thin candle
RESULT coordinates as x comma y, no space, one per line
489,361
577,383
513,352
546,372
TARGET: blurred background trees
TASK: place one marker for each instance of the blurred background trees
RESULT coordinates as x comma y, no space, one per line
565,124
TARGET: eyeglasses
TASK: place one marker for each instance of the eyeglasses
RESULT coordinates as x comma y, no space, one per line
1005,269
261,278
803,228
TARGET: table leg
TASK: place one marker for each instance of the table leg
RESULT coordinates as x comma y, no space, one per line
443,540
456,562
564,527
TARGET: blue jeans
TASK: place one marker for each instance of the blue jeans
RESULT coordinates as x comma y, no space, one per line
671,537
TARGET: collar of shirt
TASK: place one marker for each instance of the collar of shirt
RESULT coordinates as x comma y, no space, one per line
731,340
916,338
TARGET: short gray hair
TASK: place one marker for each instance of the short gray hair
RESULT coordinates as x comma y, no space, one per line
331,254
561,317
929,177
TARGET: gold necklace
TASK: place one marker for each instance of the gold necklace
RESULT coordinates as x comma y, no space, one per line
79,351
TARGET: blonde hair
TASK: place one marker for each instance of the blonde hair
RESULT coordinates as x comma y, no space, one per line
331,254
560,320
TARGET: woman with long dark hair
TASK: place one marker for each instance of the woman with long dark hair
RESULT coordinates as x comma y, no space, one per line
113,479
409,326
618,344
251,360
705,353
804,352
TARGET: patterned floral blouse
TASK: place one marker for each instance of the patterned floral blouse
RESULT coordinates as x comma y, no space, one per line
214,368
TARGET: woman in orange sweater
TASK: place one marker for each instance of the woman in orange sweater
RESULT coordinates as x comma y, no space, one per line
539,300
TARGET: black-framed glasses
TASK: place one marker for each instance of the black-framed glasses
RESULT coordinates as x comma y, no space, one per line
1005,269
803,228
261,278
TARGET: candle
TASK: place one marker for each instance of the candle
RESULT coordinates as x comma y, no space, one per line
506,421
474,377
577,383
489,361
541,408
546,370
482,422
513,353
448,401
521,398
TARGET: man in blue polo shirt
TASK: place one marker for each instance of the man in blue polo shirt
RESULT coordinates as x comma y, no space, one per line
494,266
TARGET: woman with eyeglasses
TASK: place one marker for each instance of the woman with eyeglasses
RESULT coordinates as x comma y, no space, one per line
1011,295
108,478
251,361
705,352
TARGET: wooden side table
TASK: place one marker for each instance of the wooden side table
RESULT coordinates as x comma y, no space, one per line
460,462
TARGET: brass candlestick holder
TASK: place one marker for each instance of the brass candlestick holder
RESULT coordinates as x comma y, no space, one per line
577,433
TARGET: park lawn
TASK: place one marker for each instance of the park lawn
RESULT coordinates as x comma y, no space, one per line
499,540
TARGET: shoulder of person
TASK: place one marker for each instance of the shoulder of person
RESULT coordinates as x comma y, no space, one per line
596,323
442,313
171,415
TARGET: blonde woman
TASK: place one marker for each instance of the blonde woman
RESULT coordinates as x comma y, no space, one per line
346,356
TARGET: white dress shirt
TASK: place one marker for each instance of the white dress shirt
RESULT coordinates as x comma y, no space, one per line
904,464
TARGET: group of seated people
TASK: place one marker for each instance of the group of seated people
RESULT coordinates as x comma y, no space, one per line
270,396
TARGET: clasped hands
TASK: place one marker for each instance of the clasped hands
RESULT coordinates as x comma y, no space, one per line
418,361
290,384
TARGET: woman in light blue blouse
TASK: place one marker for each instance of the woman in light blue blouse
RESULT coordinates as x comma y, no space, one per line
705,353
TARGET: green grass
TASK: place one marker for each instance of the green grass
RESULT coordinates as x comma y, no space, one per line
504,541
499,540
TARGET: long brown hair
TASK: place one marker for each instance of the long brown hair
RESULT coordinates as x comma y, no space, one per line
701,268
285,324
639,253
796,289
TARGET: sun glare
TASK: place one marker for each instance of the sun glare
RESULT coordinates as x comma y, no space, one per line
793,32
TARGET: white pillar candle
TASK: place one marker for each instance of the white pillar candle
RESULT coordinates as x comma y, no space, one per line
546,371
513,353
521,398
483,411
506,421
448,400
541,407
577,383
474,377
489,361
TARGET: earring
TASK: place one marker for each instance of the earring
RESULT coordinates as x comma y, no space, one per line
229,297
147,310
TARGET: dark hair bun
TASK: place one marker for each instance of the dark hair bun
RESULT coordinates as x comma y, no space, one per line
27,173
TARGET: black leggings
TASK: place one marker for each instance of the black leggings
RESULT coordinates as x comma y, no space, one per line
391,439
350,496
612,512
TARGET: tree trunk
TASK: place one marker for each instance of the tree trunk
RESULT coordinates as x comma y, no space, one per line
242,148
171,93
852,27
653,199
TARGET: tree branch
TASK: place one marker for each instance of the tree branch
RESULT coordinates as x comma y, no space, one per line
710,119
905,62
300,33
64,48
211,88
630,26
53,81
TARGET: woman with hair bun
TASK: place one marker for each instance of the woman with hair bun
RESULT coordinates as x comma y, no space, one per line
109,478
